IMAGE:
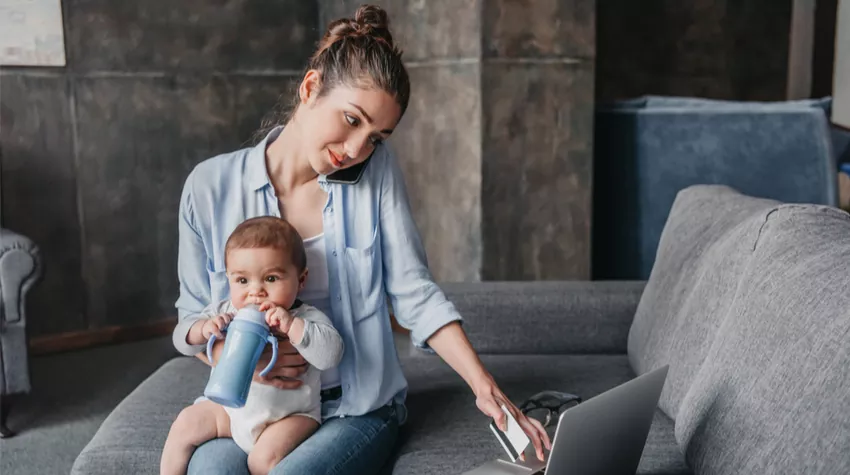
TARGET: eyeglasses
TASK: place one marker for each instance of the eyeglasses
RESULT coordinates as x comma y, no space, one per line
546,406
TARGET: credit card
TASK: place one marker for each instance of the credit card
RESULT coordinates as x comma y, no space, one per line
514,439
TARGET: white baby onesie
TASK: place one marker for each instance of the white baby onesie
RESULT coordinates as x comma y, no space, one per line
321,347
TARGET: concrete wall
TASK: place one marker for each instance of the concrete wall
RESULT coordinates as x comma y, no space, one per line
94,155
496,144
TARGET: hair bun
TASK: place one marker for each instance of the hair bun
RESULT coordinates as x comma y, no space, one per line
372,17
370,20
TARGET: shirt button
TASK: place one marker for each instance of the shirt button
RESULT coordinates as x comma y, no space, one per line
339,297
334,252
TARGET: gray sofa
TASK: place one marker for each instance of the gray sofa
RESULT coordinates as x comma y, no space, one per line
747,303
20,269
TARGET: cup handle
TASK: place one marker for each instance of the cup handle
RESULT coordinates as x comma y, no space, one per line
210,346
273,340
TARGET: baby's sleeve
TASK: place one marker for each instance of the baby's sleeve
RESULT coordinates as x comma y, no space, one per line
181,331
321,345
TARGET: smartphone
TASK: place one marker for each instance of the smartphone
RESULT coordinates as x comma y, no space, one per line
514,440
350,175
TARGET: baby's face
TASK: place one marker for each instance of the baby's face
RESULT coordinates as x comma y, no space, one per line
260,275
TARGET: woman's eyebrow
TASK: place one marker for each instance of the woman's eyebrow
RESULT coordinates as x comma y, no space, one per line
369,119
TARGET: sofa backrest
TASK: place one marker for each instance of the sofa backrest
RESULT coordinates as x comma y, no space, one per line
546,317
749,304
773,393
706,243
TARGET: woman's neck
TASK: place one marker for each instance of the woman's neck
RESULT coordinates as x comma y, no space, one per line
287,165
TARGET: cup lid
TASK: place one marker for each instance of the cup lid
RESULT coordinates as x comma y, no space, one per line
251,313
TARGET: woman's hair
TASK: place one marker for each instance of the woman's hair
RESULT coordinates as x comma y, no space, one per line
268,231
355,52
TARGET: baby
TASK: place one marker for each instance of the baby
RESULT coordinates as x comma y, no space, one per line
266,266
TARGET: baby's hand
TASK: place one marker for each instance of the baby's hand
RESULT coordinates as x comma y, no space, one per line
215,326
277,317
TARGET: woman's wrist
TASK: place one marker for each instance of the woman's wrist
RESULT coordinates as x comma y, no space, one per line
483,384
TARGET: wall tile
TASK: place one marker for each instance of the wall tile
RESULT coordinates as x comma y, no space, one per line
435,29
154,35
438,143
39,198
544,28
536,171
138,140
258,99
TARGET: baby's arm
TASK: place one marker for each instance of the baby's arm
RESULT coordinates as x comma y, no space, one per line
212,321
321,345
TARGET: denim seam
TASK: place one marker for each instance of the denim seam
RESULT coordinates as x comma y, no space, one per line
338,467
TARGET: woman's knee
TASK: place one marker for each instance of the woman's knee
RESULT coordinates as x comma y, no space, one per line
343,447
219,456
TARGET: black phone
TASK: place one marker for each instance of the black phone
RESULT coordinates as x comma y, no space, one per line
350,175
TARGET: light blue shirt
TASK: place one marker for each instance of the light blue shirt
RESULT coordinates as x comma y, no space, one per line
373,249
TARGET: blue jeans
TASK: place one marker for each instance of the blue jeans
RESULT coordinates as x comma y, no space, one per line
347,445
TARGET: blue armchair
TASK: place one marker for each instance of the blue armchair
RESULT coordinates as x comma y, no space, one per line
648,149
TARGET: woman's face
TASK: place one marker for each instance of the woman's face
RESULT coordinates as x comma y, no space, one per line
344,125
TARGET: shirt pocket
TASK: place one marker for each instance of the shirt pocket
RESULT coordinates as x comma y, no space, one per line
363,270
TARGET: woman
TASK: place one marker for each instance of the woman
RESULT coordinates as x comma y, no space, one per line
362,244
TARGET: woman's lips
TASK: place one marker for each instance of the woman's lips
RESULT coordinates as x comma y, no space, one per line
335,159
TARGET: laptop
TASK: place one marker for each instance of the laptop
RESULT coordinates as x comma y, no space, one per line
603,435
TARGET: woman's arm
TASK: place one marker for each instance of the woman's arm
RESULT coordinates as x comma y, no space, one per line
192,274
451,343
421,306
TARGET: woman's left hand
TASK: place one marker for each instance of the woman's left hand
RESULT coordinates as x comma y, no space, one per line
489,399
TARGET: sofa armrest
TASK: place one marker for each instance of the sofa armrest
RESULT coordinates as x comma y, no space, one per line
20,269
568,317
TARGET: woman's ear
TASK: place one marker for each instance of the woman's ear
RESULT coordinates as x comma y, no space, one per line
309,88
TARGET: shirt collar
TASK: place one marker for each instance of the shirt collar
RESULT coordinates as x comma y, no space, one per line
256,173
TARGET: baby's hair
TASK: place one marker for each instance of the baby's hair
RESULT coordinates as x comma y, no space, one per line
268,231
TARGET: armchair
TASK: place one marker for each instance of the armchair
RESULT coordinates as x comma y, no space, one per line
20,269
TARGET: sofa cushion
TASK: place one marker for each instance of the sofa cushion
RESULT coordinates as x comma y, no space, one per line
704,249
773,392
130,439
445,432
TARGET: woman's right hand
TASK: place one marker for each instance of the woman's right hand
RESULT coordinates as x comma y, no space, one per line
289,365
